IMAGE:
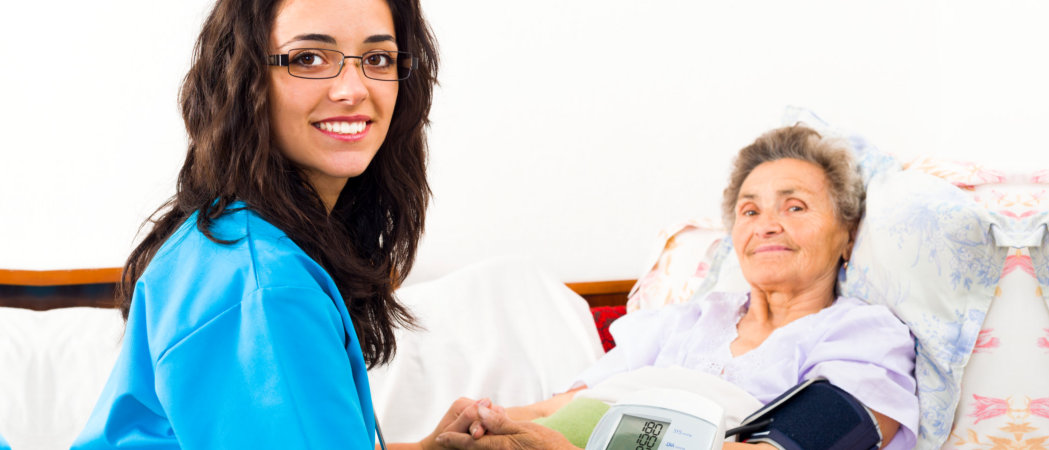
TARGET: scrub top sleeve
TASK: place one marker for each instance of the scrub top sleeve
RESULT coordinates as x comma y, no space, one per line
270,372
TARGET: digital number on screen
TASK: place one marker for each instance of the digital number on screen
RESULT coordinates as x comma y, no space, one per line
637,433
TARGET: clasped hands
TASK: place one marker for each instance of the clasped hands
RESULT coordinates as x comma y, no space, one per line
470,424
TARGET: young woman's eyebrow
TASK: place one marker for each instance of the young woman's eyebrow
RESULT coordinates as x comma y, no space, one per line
378,38
325,38
328,39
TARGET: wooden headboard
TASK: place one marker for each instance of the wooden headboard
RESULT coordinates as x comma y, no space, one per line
51,289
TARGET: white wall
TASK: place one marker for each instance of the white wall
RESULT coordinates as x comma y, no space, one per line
569,131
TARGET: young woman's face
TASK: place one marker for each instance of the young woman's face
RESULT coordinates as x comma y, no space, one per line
331,128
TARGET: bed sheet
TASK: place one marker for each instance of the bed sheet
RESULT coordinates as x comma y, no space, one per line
55,364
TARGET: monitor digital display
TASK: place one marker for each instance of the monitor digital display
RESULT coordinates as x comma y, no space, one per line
637,433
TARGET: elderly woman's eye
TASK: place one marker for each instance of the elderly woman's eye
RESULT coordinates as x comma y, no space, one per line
748,212
795,208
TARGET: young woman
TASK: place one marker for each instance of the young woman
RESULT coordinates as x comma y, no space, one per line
264,289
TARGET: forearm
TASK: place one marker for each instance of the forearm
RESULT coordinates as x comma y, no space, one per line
521,413
887,426
543,408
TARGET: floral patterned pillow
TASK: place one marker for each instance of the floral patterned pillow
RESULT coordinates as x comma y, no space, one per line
965,175
1025,202
1005,398
686,253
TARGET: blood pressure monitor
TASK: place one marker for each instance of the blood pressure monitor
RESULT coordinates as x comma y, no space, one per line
660,419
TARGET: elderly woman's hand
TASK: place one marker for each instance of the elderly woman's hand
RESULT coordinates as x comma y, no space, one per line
499,432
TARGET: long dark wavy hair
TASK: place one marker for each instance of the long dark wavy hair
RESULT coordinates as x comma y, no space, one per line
368,241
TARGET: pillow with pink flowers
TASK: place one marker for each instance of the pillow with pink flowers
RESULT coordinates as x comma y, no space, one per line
682,264
1005,396
963,174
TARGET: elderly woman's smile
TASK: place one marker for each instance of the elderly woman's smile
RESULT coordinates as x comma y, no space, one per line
772,248
786,232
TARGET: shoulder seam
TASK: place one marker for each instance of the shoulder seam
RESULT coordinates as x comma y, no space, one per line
251,250
176,236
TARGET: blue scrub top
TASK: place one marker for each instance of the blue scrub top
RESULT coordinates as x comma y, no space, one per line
247,345
3,444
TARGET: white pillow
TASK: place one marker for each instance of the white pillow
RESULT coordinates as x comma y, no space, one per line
871,160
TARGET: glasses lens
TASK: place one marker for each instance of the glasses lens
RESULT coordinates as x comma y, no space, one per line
386,66
314,62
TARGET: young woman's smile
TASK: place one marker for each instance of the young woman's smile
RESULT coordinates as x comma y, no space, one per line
350,129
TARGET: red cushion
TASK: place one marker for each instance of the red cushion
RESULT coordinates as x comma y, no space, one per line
603,317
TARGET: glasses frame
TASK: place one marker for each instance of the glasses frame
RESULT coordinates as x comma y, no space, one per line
405,60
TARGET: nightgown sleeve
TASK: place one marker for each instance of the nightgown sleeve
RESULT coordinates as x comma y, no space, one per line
869,353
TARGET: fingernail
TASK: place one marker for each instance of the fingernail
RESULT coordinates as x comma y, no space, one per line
484,412
484,402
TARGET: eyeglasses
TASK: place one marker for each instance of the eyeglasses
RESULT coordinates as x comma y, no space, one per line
322,63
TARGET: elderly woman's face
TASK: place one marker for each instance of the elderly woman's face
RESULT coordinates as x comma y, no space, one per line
786,234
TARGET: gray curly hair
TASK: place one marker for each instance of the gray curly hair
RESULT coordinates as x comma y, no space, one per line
805,144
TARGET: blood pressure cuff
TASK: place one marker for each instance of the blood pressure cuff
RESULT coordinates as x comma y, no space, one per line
814,415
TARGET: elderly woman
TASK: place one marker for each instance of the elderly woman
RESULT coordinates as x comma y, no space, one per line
793,204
